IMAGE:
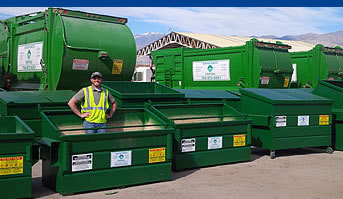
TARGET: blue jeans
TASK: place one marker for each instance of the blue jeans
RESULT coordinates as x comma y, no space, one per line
94,125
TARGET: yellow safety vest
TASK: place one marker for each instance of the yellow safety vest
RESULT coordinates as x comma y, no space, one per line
98,112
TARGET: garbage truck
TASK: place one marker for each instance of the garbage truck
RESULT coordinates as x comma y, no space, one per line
58,49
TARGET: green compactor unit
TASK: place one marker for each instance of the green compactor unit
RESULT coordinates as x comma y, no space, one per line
256,64
136,149
58,49
287,118
320,63
333,89
16,140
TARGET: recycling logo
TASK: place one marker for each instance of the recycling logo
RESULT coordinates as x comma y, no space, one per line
28,54
210,68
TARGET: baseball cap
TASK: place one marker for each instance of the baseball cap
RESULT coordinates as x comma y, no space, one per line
96,74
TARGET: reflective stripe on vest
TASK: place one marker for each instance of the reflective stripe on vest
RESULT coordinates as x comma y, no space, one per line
98,112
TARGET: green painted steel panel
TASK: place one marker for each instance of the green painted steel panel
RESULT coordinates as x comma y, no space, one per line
28,105
70,44
286,119
131,131
135,94
206,125
320,63
243,66
333,89
16,140
281,96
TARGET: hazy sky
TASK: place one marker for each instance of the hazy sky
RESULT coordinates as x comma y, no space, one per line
223,20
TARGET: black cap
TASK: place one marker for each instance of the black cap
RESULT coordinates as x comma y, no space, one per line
96,74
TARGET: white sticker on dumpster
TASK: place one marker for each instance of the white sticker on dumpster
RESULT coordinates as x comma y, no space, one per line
80,64
213,70
188,145
121,158
303,120
215,142
81,162
280,121
29,57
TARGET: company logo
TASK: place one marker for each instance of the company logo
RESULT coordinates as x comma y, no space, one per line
28,54
210,68
121,157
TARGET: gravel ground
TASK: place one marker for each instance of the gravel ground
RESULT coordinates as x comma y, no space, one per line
301,173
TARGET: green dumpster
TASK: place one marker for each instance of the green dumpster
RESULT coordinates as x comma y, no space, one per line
320,63
211,96
16,140
286,119
206,134
28,104
333,89
58,49
256,64
136,149
135,94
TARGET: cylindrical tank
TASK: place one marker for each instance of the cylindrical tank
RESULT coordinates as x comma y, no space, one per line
59,49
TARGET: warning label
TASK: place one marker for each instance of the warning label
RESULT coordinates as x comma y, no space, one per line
11,165
280,121
323,119
80,64
286,82
188,145
117,66
157,155
264,80
238,140
82,162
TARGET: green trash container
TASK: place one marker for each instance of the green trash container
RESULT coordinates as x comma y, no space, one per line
136,149
206,134
256,64
135,94
211,96
287,119
28,104
16,140
319,63
333,89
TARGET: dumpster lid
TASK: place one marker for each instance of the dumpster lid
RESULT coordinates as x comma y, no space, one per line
208,94
145,90
36,97
285,96
333,84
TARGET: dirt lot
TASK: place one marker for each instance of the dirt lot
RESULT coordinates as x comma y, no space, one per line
301,173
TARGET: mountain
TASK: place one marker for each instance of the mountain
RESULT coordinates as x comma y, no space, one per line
147,38
330,39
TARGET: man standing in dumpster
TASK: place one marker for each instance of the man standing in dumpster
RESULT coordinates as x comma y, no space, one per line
95,102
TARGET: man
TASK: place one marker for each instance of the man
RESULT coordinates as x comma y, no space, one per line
95,104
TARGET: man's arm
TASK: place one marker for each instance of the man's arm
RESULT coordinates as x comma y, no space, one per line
72,104
113,109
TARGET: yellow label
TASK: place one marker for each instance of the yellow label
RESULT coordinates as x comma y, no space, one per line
157,155
323,119
286,82
117,66
11,165
238,140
